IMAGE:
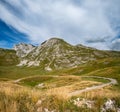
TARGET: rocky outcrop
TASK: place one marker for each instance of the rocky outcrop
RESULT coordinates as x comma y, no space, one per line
23,49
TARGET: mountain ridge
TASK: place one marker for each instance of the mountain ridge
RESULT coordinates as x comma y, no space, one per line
56,53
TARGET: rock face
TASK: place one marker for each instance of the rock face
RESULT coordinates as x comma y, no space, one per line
56,54
23,49
110,106
84,103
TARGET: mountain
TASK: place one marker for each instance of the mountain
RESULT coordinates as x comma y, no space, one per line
55,53
23,49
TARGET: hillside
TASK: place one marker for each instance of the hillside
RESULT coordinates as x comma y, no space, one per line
55,53
8,57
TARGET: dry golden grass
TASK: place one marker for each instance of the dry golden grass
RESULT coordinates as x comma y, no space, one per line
105,92
17,98
10,89
82,85
14,98
61,92
12,107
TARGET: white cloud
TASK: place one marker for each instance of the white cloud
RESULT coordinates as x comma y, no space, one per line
76,23
115,45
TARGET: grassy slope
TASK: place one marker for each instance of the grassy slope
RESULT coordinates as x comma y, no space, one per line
14,72
109,67
8,57
90,68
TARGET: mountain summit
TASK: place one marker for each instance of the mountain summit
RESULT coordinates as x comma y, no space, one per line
55,53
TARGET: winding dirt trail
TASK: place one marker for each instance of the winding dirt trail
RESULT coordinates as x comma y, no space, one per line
111,82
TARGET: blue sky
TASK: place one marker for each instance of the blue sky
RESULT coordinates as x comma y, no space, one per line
10,36
94,23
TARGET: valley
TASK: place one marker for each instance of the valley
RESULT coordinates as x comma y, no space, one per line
77,78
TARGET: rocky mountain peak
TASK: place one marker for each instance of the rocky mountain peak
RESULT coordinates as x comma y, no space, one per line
55,53
23,49
53,41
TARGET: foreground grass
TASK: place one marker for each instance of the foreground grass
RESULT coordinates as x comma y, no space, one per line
15,98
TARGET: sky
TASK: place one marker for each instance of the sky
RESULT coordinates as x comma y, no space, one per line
94,23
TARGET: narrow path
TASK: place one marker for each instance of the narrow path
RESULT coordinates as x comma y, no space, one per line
112,82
